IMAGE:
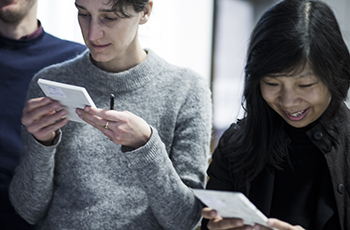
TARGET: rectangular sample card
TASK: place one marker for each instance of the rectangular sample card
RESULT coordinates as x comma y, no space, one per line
70,96
232,205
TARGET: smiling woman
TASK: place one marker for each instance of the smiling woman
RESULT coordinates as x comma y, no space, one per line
290,153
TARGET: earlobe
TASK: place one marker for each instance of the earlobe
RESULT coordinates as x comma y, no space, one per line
144,19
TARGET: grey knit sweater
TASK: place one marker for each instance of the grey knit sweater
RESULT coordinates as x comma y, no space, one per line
85,181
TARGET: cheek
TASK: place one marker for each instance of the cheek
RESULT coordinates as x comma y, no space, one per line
267,95
84,26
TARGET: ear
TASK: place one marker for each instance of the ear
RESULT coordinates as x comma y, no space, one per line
146,12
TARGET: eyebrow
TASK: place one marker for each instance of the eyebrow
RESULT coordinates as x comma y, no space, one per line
100,10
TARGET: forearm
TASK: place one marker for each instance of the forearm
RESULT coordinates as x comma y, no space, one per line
172,201
31,188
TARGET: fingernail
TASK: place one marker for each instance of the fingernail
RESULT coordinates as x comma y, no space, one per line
270,222
87,109
78,112
240,222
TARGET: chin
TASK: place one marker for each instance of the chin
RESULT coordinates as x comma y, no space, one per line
299,124
100,57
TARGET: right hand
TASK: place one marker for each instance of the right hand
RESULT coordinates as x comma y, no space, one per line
41,119
217,222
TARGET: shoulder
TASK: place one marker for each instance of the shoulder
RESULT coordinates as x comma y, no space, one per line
173,72
53,39
230,131
60,46
182,81
64,68
219,170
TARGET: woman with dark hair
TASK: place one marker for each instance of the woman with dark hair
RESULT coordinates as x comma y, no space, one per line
128,169
290,154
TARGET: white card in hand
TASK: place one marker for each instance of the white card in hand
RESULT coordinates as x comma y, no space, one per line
232,205
70,96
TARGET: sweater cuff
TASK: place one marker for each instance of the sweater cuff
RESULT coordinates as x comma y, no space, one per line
148,153
37,147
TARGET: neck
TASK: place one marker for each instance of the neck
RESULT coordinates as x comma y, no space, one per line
22,28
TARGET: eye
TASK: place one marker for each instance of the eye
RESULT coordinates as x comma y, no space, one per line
82,14
307,85
110,19
270,83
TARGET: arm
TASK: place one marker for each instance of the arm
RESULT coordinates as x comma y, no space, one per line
31,188
168,172
221,179
168,180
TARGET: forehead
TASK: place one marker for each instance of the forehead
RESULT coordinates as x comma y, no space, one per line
101,5
300,72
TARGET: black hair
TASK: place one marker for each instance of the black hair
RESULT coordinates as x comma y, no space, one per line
120,5
290,34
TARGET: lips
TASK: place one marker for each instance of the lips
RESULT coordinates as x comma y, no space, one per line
99,46
297,116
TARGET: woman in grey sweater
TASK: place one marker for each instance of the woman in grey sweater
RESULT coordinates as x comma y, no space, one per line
129,168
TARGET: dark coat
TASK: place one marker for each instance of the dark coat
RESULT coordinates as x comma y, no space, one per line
332,136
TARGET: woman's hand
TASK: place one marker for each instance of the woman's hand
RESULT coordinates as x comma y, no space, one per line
278,224
217,222
122,128
41,119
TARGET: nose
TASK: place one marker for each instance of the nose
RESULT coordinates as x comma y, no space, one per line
95,31
289,97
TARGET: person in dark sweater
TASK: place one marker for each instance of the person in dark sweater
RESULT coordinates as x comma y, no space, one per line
290,154
25,48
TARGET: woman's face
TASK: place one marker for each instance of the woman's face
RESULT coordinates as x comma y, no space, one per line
111,40
299,99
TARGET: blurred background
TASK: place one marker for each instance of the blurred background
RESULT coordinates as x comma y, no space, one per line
208,36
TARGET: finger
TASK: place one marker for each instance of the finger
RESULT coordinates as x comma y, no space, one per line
34,112
48,133
94,120
275,223
46,121
110,115
219,223
209,213
36,102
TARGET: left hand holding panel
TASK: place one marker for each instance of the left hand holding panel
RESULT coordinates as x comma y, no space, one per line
123,128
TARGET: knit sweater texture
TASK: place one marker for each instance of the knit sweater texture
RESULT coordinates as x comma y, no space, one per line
20,60
85,181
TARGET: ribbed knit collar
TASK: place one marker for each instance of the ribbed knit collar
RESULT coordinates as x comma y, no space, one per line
12,44
127,80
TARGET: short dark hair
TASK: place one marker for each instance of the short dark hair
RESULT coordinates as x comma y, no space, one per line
120,5
289,34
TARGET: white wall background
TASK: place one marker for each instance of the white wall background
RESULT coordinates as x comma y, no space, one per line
180,31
